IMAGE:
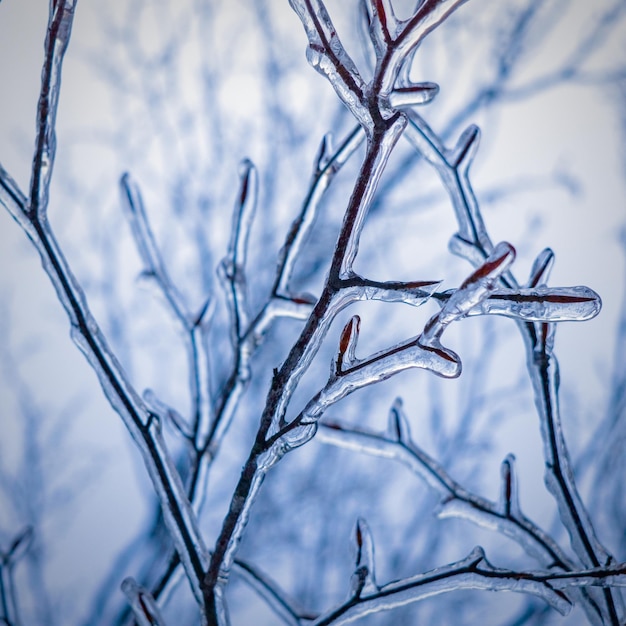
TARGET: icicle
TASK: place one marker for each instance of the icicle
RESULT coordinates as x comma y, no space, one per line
419,93
364,577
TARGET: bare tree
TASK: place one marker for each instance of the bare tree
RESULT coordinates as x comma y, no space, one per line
209,465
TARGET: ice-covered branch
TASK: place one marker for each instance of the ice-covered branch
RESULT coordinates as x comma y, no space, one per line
472,572
541,303
31,215
284,607
194,325
145,609
473,243
232,268
410,33
559,477
503,516
393,43
266,451
61,17
328,163
328,56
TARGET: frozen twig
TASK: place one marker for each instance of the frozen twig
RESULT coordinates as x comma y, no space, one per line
503,516
30,213
473,243
328,164
473,572
60,19
284,607
142,603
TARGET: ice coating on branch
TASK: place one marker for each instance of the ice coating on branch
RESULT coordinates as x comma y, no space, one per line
509,502
456,501
474,290
327,166
462,155
364,576
472,572
231,270
166,412
325,152
542,266
347,378
398,424
327,55
61,17
413,293
420,93
145,609
465,249
347,344
541,304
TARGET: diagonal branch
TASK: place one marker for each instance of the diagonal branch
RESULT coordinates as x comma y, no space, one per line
141,423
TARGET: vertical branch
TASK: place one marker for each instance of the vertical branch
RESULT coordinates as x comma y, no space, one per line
266,451
327,166
559,478
58,33
473,242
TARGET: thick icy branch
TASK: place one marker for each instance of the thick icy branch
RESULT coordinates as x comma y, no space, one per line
537,304
473,572
328,56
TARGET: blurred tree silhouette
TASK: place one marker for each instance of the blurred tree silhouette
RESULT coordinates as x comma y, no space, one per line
177,94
